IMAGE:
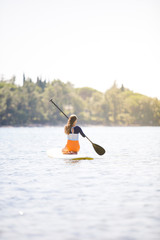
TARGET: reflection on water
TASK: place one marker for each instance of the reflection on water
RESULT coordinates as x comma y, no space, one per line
116,196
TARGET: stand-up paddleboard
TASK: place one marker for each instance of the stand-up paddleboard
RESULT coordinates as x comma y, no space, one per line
57,154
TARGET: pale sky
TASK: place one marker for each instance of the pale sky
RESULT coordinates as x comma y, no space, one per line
87,42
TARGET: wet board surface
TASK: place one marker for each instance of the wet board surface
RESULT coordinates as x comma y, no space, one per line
57,154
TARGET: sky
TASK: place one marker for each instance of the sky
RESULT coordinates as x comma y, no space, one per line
86,42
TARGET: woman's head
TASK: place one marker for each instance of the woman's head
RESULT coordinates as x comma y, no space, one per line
71,122
72,119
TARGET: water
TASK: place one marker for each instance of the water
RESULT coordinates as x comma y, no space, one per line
116,196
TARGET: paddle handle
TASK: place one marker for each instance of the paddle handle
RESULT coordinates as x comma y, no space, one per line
58,108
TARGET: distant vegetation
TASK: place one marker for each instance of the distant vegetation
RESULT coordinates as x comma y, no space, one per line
29,104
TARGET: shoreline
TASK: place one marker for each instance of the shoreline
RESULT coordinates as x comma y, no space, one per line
62,125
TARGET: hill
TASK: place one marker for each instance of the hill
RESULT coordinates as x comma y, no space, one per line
29,104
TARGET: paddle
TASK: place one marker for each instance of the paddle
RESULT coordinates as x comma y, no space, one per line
99,150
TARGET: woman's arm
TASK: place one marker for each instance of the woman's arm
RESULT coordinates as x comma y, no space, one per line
77,129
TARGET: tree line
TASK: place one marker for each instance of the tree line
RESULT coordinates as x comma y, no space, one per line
29,104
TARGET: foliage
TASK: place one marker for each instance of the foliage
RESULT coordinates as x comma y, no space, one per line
29,104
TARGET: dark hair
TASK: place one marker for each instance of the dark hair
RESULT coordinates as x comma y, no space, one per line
70,123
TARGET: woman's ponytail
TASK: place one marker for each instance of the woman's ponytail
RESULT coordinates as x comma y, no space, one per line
71,120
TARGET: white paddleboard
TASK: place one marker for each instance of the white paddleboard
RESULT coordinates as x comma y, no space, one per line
57,154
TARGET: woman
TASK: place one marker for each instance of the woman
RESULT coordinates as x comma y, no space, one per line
72,131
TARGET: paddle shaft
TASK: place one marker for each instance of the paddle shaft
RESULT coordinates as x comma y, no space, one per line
58,108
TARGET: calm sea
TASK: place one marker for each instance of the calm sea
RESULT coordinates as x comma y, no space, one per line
113,197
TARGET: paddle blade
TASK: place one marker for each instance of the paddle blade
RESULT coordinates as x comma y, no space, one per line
99,150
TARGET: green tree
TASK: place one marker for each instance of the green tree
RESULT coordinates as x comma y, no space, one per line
29,104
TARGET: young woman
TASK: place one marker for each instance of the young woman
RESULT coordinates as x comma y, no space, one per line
72,131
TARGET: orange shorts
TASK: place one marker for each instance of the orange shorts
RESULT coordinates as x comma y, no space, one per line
71,146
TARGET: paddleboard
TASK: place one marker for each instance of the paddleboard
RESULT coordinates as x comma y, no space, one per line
57,154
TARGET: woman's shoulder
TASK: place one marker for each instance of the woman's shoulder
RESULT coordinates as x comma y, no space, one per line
77,127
